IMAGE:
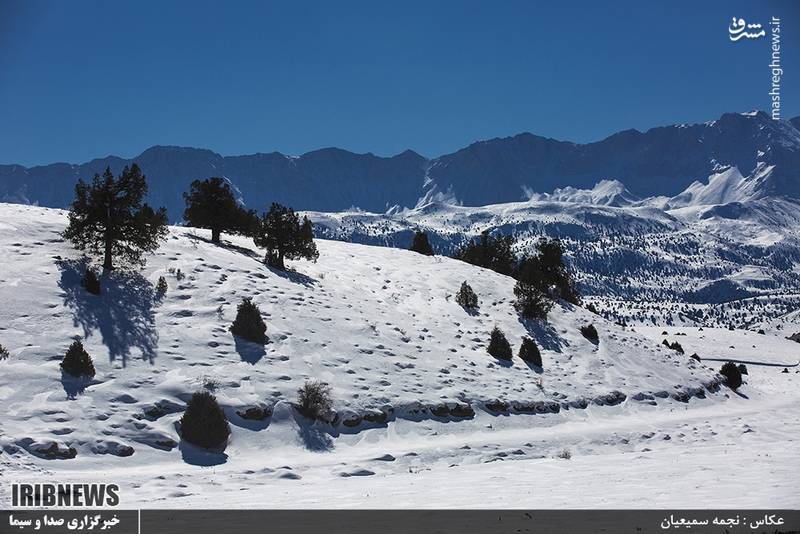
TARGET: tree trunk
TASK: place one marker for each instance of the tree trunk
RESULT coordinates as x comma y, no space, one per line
274,259
215,232
107,262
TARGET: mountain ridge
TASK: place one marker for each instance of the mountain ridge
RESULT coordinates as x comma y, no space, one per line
663,160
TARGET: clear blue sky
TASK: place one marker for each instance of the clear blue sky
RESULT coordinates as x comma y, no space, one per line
84,79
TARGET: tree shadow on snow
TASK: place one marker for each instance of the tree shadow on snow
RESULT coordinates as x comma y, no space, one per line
538,369
292,276
315,437
74,386
248,351
122,312
194,455
742,395
543,333
250,253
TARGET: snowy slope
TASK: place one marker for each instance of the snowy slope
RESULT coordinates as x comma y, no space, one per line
380,326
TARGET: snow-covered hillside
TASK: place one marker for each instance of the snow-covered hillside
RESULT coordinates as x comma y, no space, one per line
414,388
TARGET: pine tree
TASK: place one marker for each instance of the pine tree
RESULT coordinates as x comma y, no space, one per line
248,323
211,204
466,297
77,361
314,398
109,217
547,272
161,286
499,346
531,303
490,252
590,333
285,237
204,423
421,244
732,374
529,352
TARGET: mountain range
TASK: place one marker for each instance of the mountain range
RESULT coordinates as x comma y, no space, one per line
662,161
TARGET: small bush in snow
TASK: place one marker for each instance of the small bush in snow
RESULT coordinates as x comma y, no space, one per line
210,384
531,302
161,286
3,353
695,356
732,374
742,369
529,352
499,346
248,323
314,398
466,297
590,333
91,282
204,423
565,454
77,361
592,308
676,347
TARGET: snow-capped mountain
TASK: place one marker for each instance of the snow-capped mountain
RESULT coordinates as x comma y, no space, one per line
604,193
716,241
661,161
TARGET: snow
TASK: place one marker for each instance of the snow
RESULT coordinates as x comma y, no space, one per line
381,327
604,193
724,187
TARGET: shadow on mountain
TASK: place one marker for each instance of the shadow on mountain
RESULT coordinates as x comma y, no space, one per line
248,351
543,333
122,313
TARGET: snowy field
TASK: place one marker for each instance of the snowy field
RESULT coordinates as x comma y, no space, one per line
425,417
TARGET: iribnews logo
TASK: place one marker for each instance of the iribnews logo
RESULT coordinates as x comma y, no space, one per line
64,495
